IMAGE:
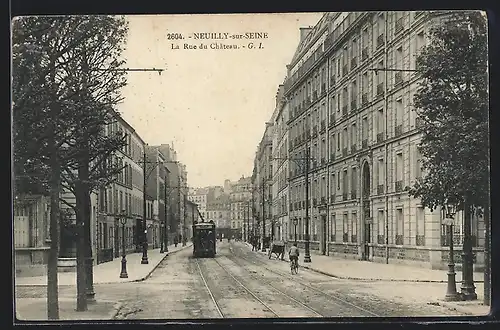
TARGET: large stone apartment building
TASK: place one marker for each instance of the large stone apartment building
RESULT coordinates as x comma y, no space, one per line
349,91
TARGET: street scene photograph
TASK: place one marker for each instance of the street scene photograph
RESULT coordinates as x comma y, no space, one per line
236,166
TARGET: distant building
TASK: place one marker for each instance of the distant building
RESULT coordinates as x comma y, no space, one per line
240,195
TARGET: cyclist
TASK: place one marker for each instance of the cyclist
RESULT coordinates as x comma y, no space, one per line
293,254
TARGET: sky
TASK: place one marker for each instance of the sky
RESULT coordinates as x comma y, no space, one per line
211,104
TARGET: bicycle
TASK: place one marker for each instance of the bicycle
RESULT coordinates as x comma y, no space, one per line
294,266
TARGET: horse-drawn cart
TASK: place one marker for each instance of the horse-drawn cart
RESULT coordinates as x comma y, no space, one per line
278,249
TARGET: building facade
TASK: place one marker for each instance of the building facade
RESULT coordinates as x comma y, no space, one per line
240,194
349,92
281,229
262,185
218,211
199,197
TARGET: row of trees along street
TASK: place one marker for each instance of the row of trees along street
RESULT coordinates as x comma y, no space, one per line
452,101
66,83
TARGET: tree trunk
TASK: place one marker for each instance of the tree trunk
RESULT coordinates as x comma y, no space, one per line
487,256
81,282
89,266
52,278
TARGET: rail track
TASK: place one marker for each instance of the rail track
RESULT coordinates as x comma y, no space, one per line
292,278
217,307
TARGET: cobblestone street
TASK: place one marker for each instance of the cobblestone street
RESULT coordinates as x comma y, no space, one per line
239,283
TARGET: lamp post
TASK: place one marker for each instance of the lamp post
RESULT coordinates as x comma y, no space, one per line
162,235
123,221
451,292
295,223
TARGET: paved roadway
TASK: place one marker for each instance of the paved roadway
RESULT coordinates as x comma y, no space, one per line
239,283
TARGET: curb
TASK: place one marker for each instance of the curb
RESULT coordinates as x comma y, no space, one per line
454,308
158,264
116,309
371,279
113,282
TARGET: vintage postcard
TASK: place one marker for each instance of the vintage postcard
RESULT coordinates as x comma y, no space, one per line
287,165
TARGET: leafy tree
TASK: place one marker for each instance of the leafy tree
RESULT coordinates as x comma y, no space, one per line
66,83
452,101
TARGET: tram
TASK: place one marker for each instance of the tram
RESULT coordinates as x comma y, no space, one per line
204,237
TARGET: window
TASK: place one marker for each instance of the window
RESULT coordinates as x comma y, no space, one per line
333,227
399,167
381,171
398,58
399,112
365,84
344,138
418,163
364,129
354,182
345,228
353,134
420,223
354,227
338,141
380,120
332,185
338,181
399,226
345,183
380,227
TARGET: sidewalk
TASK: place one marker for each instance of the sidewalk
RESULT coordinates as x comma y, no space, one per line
109,272
351,269
395,281
35,309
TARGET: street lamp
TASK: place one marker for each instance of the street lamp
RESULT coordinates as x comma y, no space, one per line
295,223
451,292
123,221
162,234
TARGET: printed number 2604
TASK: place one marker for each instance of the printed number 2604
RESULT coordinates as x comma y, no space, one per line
172,36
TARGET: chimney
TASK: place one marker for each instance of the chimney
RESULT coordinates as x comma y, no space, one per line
304,31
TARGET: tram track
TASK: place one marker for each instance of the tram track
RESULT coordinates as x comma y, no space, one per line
220,311
333,297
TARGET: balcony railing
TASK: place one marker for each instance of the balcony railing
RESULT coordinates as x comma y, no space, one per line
399,186
398,130
380,137
399,239
364,54
364,143
380,89
353,105
354,62
380,189
364,98
354,238
380,40
420,240
344,196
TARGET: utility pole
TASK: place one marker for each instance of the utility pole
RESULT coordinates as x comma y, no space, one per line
307,255
165,227
144,259
55,184
263,214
